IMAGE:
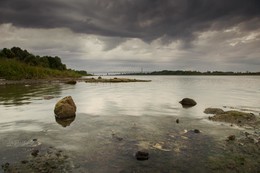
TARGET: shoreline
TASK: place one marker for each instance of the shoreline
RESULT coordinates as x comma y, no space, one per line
37,81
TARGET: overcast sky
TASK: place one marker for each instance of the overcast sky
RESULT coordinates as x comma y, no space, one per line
127,35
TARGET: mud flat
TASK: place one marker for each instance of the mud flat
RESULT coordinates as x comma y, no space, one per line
113,80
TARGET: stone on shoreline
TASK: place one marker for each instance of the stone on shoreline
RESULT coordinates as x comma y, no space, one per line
71,82
65,108
187,102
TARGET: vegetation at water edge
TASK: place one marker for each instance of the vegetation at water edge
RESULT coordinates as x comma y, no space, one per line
16,64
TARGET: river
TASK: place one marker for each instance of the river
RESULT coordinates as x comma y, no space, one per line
115,120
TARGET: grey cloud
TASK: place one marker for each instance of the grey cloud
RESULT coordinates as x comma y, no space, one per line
144,19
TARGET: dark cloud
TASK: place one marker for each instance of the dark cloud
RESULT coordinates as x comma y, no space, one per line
144,19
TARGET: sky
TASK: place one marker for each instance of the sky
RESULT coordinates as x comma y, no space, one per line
130,35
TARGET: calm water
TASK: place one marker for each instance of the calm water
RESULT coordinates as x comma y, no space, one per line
115,120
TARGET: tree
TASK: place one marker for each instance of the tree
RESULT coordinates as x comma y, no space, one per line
8,53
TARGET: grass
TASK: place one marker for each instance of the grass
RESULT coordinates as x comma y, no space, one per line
11,69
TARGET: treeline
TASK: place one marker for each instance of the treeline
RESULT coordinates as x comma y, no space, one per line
181,72
24,56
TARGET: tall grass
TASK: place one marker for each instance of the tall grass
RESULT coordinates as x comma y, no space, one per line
11,69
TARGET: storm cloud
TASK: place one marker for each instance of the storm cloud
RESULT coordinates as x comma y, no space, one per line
179,32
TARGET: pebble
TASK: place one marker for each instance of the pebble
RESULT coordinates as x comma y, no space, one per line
196,131
142,155
231,137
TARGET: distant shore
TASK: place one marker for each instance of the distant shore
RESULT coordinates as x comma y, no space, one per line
196,73
68,80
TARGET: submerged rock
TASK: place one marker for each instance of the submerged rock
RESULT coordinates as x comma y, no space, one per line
65,108
177,121
142,155
231,138
48,97
213,111
235,117
187,102
196,131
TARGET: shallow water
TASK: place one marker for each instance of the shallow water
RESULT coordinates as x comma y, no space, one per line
115,120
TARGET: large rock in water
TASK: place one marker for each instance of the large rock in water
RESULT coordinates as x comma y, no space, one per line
65,108
187,102
235,117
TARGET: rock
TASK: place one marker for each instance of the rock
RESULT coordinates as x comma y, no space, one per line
213,111
234,117
65,108
177,121
231,138
24,161
34,153
34,139
99,77
196,131
71,82
142,155
187,102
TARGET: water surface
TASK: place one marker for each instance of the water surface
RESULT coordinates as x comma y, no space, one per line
114,120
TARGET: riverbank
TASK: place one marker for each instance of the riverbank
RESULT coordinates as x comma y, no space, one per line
38,81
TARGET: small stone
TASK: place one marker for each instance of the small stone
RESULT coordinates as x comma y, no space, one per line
71,82
119,138
35,140
142,155
35,153
231,138
177,121
187,102
196,131
24,161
